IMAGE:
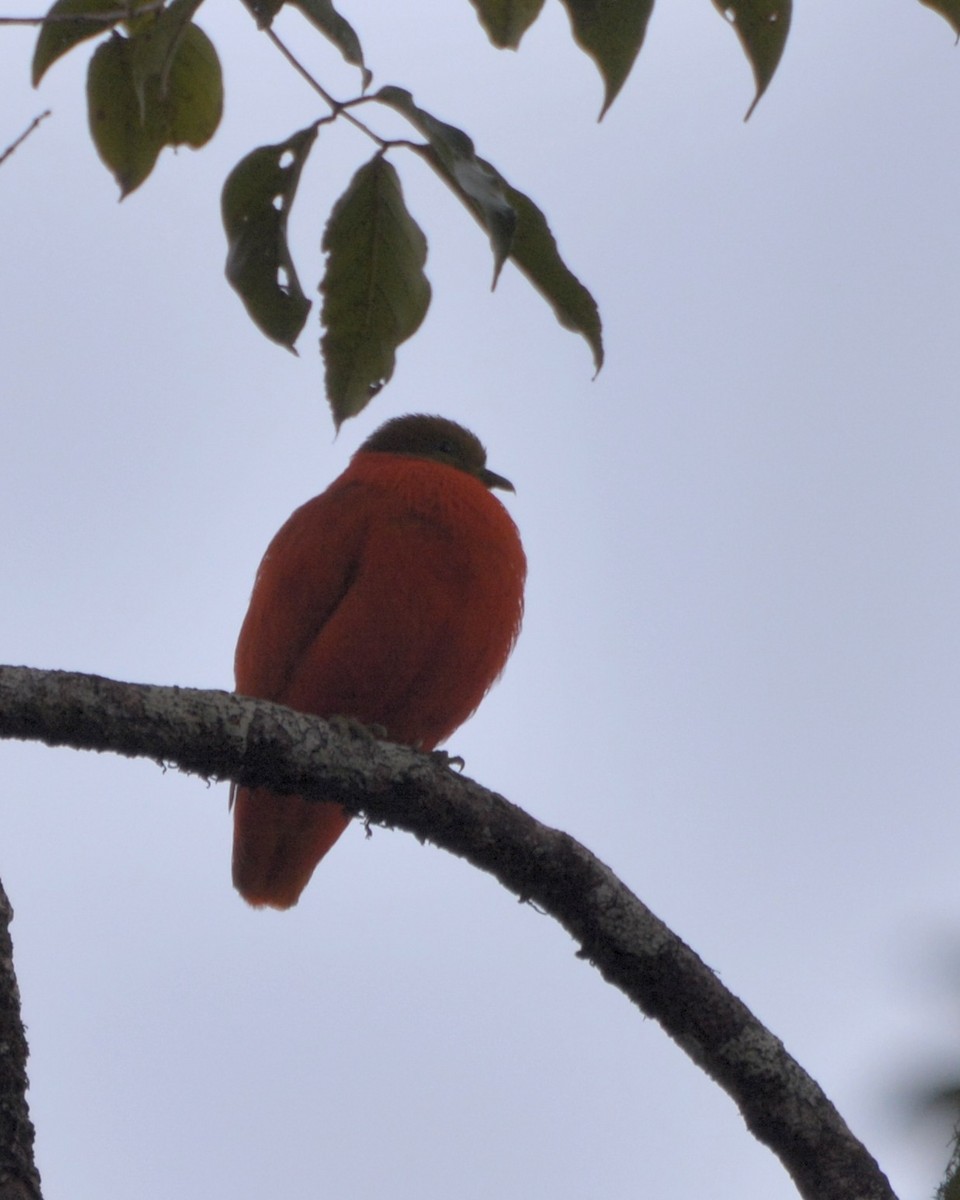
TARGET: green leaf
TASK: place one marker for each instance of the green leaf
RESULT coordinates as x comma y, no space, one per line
762,27
516,226
154,45
506,21
59,35
129,134
375,294
193,97
948,9
264,11
127,144
471,179
256,202
338,29
323,15
535,253
611,32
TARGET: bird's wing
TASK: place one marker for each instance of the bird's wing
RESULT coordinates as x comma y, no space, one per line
306,572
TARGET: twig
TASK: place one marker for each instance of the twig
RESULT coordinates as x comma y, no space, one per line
23,136
337,107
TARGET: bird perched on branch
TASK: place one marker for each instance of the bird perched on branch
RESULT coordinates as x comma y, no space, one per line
394,599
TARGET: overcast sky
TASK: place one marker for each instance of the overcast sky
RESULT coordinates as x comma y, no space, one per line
739,677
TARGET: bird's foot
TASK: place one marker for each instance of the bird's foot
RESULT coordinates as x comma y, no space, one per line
450,761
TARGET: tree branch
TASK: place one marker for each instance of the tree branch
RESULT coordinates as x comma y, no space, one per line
222,736
18,1173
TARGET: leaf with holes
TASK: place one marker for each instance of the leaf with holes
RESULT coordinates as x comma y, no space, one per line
762,27
255,205
506,21
375,294
472,180
611,32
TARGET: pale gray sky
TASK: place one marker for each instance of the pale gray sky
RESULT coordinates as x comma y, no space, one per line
739,678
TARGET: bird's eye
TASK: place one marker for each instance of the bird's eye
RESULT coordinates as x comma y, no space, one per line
446,447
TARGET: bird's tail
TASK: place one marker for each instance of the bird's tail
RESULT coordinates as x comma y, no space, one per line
277,843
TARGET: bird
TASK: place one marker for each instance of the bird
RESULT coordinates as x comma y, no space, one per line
392,599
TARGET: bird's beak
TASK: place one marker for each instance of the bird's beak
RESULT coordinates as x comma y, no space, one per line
491,479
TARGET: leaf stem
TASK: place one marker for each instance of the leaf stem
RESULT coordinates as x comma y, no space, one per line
338,107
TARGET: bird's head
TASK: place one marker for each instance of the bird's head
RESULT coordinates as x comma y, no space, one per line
437,439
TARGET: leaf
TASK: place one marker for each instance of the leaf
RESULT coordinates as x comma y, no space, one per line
127,144
264,11
192,99
611,32
506,21
535,253
762,27
338,30
949,10
57,36
256,202
154,45
128,134
472,180
323,16
375,294
523,234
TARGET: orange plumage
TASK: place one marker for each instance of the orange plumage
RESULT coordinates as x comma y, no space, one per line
393,598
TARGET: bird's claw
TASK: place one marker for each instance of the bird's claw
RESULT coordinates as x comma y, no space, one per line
450,761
